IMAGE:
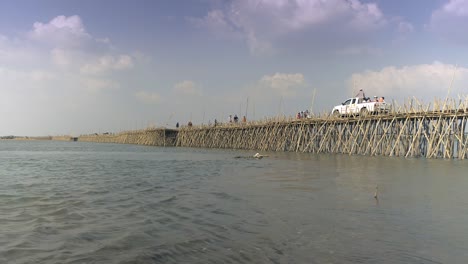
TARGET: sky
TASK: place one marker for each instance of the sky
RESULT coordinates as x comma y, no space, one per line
80,66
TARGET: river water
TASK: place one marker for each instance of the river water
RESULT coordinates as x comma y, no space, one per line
75,202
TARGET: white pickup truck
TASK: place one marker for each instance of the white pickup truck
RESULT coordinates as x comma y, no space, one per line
352,106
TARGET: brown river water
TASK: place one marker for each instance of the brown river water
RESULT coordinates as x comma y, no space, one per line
75,202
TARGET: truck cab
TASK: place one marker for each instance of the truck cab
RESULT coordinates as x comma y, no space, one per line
347,107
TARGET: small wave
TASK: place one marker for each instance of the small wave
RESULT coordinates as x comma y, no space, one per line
152,189
222,212
96,192
169,199
226,196
22,200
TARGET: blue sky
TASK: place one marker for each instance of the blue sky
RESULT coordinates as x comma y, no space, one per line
72,67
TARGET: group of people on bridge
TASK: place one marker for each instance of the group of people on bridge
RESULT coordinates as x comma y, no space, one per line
231,120
236,119
303,114
363,99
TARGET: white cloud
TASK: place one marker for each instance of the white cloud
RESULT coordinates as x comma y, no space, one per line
108,63
282,84
424,81
98,85
123,62
449,20
61,61
261,23
405,27
187,88
149,97
366,16
61,31
456,7
70,24
300,14
60,57
216,22
14,51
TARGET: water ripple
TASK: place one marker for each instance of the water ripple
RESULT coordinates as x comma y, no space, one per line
62,202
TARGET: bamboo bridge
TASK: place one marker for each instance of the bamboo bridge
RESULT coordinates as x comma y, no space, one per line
407,132
162,137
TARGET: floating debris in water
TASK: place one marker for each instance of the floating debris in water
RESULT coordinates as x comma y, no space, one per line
258,156
255,156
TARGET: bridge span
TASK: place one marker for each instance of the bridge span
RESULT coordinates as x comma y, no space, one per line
430,134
